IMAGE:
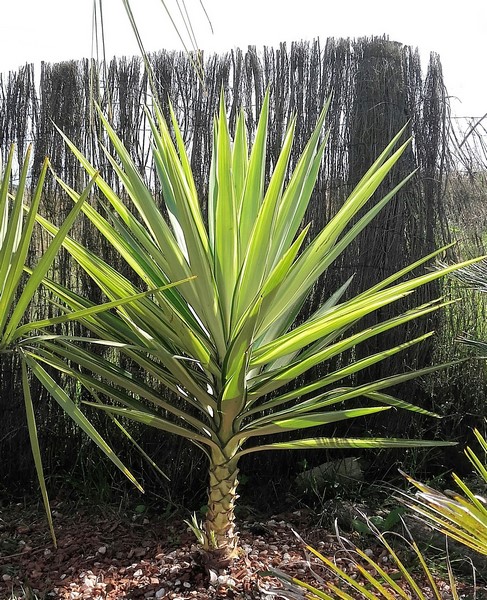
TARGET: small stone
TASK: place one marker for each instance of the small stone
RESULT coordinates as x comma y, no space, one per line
226,580
102,550
160,593
369,552
22,529
6,577
186,584
138,573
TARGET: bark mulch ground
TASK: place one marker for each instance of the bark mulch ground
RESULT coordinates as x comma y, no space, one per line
110,556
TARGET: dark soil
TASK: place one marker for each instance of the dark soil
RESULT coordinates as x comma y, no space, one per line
103,554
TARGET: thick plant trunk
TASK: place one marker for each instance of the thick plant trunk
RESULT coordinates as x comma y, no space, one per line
222,538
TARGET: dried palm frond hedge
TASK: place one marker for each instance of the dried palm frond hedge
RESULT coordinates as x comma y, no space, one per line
377,87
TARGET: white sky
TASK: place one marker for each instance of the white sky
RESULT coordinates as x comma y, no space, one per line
53,30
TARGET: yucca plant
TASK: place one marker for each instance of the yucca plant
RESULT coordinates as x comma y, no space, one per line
226,340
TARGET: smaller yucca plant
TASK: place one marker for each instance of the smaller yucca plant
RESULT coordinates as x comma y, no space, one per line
461,517
360,576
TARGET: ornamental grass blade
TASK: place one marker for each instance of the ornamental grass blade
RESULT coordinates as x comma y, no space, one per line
463,518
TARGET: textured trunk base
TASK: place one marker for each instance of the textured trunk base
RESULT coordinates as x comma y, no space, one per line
221,534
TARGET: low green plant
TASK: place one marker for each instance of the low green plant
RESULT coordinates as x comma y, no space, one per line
475,278
25,593
383,523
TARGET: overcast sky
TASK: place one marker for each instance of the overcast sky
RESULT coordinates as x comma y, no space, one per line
53,30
